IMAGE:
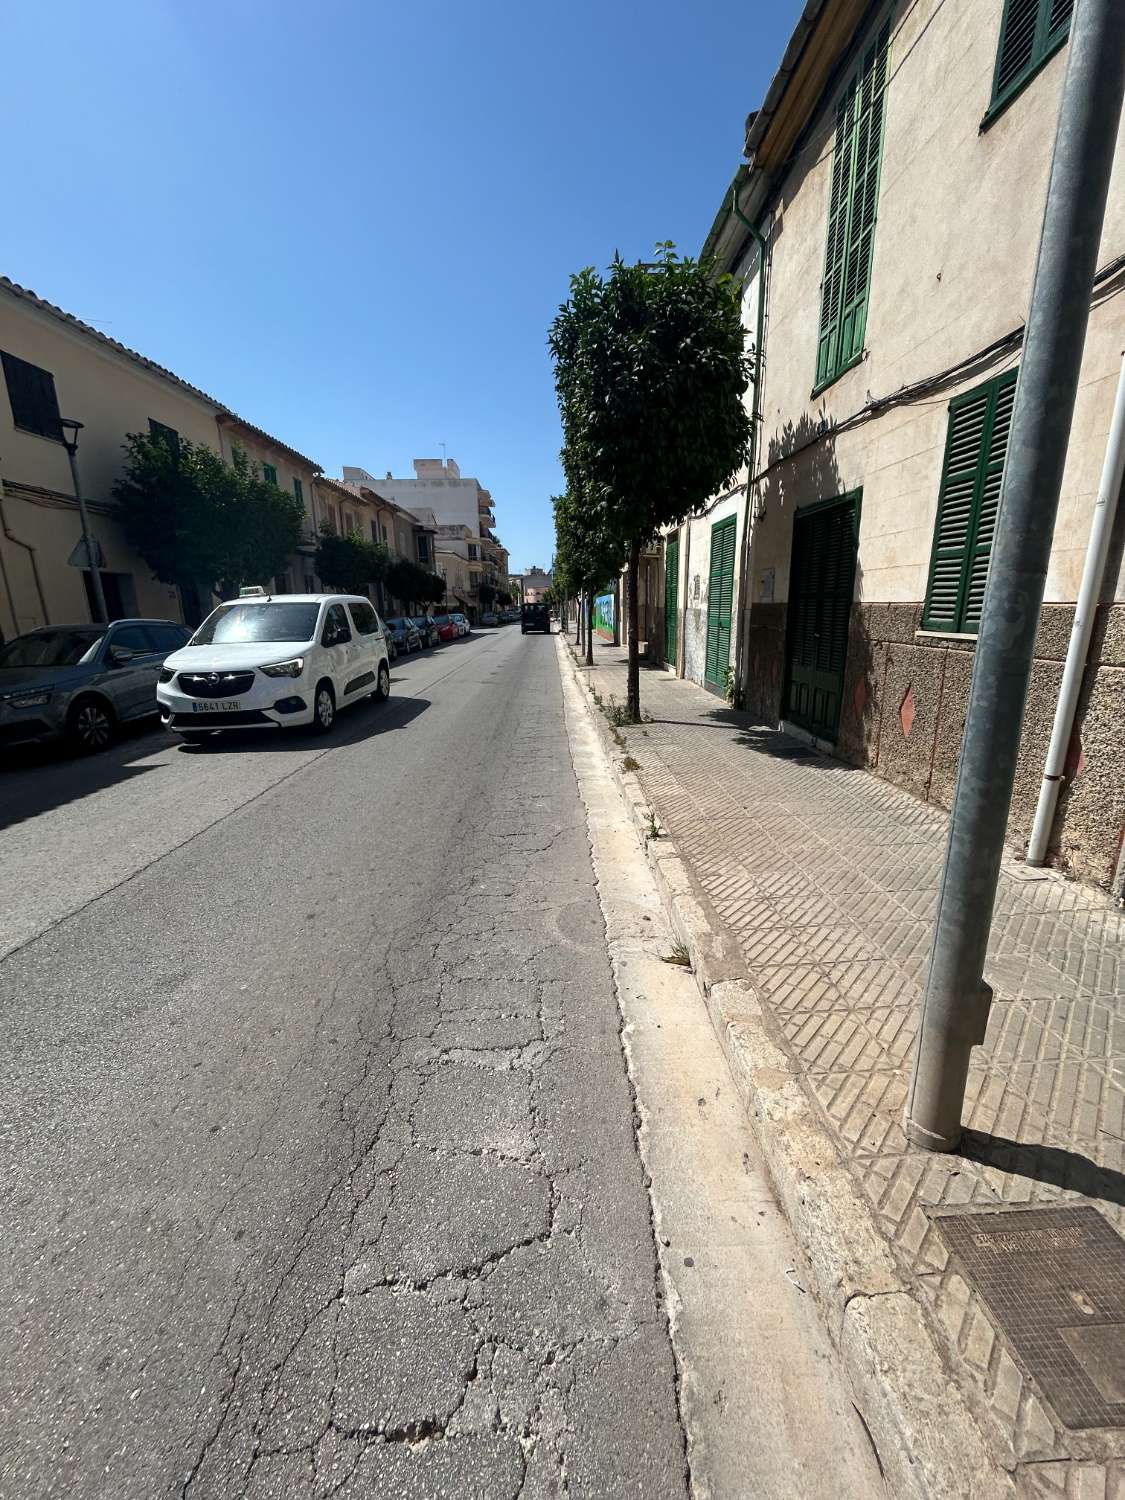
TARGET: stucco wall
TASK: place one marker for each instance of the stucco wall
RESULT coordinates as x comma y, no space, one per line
955,242
112,395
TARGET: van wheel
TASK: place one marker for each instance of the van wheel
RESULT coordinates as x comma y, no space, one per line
90,725
324,708
383,690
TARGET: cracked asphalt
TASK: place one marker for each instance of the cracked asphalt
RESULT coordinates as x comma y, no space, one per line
320,1172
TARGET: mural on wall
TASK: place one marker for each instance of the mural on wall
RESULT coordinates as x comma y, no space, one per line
603,616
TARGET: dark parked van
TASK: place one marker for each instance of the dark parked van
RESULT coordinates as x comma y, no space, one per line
535,617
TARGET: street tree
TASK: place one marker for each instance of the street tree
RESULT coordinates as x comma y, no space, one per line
408,582
197,520
486,593
650,370
349,563
588,554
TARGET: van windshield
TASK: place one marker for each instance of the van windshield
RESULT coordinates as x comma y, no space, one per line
231,624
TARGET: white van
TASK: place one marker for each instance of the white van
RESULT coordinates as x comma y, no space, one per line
270,661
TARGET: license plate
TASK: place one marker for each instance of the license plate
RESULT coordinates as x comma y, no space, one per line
224,706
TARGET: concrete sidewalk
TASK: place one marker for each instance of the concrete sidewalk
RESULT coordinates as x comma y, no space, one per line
823,880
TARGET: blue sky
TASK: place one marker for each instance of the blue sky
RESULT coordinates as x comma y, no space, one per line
353,221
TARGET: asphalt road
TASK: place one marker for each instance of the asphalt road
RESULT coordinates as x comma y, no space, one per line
319,1170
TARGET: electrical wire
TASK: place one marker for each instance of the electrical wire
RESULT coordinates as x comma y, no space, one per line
917,391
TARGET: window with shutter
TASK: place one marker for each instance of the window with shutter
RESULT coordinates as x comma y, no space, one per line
31,392
299,490
269,473
167,435
968,502
1031,31
853,200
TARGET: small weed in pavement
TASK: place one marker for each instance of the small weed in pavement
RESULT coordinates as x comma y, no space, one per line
678,956
652,831
629,764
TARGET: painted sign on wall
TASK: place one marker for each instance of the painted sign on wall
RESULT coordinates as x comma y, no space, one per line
603,616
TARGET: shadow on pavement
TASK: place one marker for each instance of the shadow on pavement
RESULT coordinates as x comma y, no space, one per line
361,722
1051,1164
35,779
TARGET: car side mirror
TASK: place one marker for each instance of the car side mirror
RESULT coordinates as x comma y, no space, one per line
120,656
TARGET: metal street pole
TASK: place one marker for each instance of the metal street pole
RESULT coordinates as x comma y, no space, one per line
954,1010
92,557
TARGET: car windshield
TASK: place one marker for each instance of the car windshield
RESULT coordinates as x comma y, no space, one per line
50,648
394,625
233,624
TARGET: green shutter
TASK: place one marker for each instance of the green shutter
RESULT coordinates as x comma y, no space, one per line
671,598
269,473
1029,33
299,490
968,502
720,601
852,208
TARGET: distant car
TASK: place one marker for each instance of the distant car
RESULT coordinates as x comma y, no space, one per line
405,635
446,627
82,681
426,628
463,626
535,617
270,663
488,618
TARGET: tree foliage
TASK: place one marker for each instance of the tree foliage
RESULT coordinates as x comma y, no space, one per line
412,584
486,593
349,563
196,520
650,371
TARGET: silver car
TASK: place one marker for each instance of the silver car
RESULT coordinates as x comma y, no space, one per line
81,681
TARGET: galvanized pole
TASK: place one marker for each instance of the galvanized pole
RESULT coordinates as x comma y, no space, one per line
954,1011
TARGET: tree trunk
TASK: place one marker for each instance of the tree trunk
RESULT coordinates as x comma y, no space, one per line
589,630
578,623
633,691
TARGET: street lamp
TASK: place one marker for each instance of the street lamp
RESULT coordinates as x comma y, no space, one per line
70,431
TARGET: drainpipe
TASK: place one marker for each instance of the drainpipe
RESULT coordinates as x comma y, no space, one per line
32,559
755,438
1085,612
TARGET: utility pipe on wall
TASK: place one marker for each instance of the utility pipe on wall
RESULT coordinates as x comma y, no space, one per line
1085,612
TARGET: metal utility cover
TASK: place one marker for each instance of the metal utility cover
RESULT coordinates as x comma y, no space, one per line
1053,1280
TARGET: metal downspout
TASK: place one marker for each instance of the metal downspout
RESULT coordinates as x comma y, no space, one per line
755,439
1085,613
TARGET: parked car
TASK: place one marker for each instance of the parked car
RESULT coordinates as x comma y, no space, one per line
264,663
489,618
426,628
463,626
405,635
535,617
82,681
446,627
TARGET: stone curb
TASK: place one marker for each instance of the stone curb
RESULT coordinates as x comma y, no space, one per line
926,1439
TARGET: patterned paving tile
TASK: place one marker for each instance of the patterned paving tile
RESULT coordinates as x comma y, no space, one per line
828,879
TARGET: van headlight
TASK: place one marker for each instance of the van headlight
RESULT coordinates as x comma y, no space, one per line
292,668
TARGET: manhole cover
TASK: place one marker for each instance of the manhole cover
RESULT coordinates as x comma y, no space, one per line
1054,1282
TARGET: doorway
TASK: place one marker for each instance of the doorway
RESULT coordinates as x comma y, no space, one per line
821,583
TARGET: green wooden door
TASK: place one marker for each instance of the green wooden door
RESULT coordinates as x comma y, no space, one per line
671,598
821,581
720,600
